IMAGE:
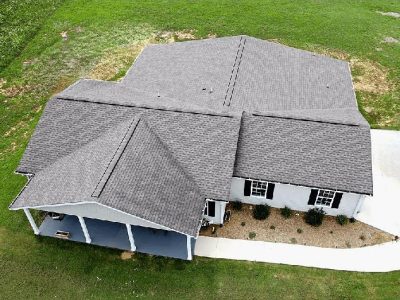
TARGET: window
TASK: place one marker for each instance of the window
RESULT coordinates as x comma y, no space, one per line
210,208
258,188
325,198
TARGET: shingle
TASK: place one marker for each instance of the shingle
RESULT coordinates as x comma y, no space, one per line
196,71
205,145
276,77
148,182
74,176
300,125
305,153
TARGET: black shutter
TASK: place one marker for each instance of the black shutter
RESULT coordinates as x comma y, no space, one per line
211,208
270,190
336,200
313,197
247,187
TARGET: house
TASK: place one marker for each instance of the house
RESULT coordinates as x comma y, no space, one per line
138,164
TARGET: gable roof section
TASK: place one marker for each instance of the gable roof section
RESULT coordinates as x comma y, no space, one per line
306,153
127,168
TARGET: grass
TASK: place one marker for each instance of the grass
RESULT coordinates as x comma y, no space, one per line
104,37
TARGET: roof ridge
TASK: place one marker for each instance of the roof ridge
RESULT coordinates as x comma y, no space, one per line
305,119
115,158
199,111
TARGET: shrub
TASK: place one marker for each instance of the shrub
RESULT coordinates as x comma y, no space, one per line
342,219
272,227
252,235
314,216
286,212
261,211
237,205
352,220
362,237
243,223
299,230
293,240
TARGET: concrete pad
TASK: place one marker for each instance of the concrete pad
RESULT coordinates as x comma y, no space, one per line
385,256
383,209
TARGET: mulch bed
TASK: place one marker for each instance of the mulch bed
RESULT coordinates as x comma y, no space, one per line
294,230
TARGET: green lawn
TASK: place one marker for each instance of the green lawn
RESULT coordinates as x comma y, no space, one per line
104,36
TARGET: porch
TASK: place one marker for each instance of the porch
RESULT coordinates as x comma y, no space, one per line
115,235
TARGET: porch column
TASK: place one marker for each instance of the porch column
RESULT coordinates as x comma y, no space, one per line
130,235
31,221
189,247
84,229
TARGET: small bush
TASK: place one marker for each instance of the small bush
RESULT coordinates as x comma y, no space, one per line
243,223
252,235
342,219
237,205
362,237
293,240
261,212
315,216
299,230
286,212
272,227
352,220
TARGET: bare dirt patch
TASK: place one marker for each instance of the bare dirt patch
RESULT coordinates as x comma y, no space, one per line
15,90
369,76
115,60
295,231
173,36
122,57
126,255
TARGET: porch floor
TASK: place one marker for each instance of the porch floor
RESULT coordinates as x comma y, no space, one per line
114,235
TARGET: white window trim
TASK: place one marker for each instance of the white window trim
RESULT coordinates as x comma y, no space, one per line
266,189
322,205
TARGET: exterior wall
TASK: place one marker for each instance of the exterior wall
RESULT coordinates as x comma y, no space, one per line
296,198
219,213
96,211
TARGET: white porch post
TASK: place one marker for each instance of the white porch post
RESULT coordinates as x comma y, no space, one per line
130,235
31,221
84,229
189,247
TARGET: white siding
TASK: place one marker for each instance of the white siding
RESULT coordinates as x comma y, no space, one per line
97,211
295,197
219,213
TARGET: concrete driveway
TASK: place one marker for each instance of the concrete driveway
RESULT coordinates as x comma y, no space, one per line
383,209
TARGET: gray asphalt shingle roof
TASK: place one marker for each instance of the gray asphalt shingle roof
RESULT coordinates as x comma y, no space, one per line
306,153
301,125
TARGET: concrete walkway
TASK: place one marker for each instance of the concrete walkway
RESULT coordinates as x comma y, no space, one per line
379,258
383,209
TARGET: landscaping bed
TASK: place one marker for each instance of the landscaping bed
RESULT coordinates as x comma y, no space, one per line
294,230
